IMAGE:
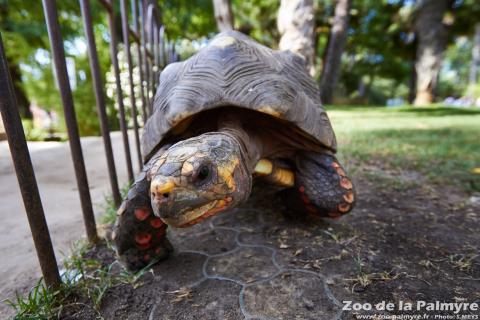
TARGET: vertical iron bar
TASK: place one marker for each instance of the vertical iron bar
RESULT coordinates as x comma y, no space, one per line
161,45
145,57
100,99
121,107
26,176
140,62
150,34
56,44
155,55
126,42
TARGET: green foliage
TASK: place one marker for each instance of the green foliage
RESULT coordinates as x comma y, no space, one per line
258,18
26,42
188,19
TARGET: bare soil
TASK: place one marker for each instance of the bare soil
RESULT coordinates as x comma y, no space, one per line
405,241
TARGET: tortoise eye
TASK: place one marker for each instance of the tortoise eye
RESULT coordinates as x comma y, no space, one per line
203,173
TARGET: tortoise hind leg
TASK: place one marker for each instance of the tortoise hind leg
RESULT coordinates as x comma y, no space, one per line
140,237
322,187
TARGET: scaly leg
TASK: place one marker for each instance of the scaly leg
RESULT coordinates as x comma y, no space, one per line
322,187
140,237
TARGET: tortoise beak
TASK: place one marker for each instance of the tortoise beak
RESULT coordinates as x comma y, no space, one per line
175,205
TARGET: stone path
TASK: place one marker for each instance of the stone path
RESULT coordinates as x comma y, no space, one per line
267,287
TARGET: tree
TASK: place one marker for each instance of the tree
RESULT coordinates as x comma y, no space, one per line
432,39
223,14
296,24
473,78
26,43
336,45
258,19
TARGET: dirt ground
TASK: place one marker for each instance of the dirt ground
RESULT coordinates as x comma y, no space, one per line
19,269
403,242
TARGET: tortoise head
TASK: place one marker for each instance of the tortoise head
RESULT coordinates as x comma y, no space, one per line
199,177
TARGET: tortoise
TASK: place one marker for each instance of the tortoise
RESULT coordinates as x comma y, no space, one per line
233,113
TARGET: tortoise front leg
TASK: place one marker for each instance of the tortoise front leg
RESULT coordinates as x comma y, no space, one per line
322,187
140,237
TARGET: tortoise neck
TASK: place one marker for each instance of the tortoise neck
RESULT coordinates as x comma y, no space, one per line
250,144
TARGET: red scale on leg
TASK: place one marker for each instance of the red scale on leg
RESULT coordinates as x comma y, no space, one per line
142,213
156,223
143,238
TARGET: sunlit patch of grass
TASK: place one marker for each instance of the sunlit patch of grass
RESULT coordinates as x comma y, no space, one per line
443,144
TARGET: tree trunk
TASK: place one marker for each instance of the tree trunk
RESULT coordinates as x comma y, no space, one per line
336,45
223,14
412,84
475,56
432,42
22,99
296,24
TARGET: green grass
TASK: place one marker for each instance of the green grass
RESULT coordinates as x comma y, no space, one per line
84,282
109,208
442,144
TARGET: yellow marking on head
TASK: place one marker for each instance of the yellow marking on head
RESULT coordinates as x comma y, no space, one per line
283,177
162,187
223,42
226,173
263,167
187,168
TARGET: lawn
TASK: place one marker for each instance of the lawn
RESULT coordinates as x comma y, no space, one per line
441,144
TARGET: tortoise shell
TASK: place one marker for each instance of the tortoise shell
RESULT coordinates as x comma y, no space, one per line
234,70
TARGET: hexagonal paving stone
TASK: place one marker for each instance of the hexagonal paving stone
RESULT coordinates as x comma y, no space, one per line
239,218
212,241
179,270
212,299
290,295
246,265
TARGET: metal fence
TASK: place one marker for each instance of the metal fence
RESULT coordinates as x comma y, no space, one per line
152,52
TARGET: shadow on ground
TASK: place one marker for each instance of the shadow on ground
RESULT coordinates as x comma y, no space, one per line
256,262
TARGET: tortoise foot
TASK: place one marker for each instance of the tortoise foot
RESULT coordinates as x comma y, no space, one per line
322,188
140,237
